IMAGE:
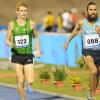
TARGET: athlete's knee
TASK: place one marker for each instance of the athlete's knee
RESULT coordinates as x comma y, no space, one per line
20,80
30,82
93,71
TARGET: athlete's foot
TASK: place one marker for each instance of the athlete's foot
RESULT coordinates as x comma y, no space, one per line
19,98
29,89
90,98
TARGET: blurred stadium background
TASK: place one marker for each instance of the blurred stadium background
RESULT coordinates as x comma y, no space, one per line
38,8
51,45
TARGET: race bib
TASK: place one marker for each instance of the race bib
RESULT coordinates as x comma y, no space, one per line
92,41
22,41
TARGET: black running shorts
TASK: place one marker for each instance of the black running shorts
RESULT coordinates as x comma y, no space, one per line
94,54
22,59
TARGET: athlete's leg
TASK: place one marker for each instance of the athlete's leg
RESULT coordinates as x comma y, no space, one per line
29,73
20,80
98,74
93,72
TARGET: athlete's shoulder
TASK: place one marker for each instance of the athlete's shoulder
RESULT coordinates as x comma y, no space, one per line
11,25
32,24
98,22
98,19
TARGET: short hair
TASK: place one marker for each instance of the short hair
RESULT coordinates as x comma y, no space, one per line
90,3
21,4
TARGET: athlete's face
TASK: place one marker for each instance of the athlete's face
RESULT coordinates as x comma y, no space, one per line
92,12
22,12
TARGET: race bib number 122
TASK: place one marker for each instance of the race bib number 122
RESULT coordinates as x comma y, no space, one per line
22,41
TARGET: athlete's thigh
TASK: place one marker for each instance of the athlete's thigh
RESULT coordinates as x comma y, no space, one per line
98,67
90,62
29,72
19,72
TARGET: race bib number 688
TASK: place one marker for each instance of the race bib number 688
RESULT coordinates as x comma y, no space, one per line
92,41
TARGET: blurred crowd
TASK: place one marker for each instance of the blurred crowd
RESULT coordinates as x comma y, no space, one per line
64,23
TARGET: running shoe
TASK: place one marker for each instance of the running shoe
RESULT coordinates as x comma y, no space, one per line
29,89
90,98
19,97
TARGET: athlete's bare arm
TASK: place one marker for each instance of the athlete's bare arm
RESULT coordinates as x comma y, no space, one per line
35,33
74,33
9,35
37,43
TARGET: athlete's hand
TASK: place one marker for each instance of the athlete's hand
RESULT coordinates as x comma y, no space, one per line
9,43
66,45
37,53
98,29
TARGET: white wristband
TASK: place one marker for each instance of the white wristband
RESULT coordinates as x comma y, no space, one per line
34,52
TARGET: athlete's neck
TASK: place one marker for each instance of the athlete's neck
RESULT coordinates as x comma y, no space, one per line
21,21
